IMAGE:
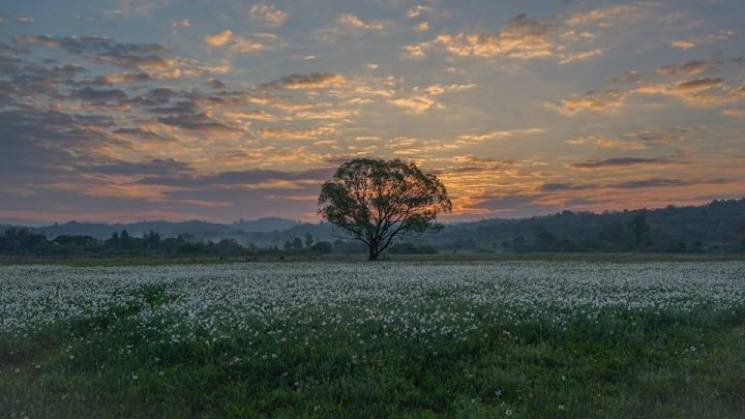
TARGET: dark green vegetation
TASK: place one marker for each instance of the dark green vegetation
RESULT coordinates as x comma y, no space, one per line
713,228
439,258
24,242
605,363
718,227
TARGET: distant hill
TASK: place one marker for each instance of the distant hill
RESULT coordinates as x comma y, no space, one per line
717,226
265,224
201,229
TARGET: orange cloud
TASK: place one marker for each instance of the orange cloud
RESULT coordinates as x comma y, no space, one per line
268,14
296,133
354,22
218,39
696,41
308,82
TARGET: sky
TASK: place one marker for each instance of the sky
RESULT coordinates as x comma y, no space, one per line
127,110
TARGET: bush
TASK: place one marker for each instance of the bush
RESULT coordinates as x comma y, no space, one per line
407,248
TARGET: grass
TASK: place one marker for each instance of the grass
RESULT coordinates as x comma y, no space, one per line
436,258
620,363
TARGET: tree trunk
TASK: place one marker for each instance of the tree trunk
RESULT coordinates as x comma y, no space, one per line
372,252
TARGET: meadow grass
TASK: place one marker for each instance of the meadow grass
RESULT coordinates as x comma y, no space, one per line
442,257
121,360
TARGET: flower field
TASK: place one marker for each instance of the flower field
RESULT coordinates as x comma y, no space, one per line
521,339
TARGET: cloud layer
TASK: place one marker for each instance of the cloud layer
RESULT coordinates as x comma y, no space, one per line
228,109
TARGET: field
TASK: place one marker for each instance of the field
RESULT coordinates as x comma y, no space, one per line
531,338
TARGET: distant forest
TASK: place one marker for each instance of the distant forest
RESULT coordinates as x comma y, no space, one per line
718,227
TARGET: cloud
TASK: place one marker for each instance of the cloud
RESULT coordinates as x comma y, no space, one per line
153,59
268,14
421,27
689,43
307,82
243,177
617,162
181,24
703,92
160,167
659,136
244,44
417,103
683,44
690,68
115,78
415,51
199,122
247,45
631,184
706,92
665,183
500,134
25,19
140,133
627,77
254,115
91,44
609,143
325,114
734,113
562,186
438,89
580,56
348,25
136,7
256,42
98,95
698,85
417,11
41,146
513,205
521,38
296,133
354,22
603,17
422,99
216,84
218,39
608,101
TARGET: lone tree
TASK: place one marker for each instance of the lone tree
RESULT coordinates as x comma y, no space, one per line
376,200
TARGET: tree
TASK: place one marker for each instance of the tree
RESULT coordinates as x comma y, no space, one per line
640,227
375,201
322,247
308,240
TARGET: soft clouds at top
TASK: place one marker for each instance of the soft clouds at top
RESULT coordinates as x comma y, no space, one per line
229,109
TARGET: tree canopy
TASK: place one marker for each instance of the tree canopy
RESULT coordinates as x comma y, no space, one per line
376,200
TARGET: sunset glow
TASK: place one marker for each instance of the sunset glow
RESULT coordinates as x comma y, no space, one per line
126,110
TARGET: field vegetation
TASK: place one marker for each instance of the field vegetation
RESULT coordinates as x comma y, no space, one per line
392,339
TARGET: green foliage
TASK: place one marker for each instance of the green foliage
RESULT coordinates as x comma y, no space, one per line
322,247
617,362
376,200
718,227
640,227
408,248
